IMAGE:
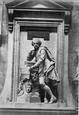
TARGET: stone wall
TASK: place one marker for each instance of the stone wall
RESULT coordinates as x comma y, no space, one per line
3,44
73,45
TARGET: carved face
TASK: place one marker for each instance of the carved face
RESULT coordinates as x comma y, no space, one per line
36,46
28,87
34,76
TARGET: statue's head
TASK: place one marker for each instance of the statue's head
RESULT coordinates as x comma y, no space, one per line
28,87
36,43
34,75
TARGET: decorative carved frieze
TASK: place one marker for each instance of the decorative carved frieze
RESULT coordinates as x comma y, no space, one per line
40,24
48,9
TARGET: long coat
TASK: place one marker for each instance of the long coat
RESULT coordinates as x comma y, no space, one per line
46,67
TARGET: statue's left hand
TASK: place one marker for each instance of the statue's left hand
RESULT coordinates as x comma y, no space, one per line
30,69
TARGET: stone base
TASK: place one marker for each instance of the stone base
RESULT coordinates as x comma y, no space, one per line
35,98
29,98
36,109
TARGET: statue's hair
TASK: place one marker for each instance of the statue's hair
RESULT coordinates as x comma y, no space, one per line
36,40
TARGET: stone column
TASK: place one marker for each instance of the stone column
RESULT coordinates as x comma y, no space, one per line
60,59
77,70
16,60
1,7
67,95
65,79
6,93
75,81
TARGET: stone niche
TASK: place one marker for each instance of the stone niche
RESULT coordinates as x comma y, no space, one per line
48,21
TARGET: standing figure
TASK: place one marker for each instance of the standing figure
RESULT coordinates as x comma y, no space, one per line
40,55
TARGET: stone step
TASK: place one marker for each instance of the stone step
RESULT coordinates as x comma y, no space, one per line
36,109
